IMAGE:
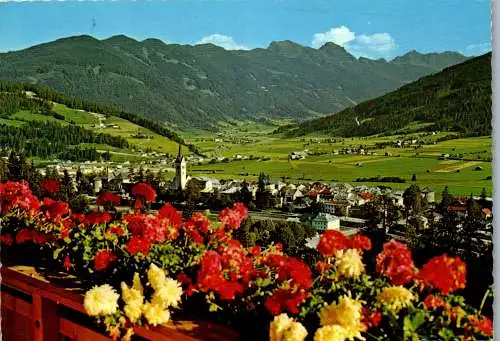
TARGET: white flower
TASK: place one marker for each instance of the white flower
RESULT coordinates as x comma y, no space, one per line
155,314
169,294
284,328
101,300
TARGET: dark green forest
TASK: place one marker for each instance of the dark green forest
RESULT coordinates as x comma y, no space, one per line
47,139
457,99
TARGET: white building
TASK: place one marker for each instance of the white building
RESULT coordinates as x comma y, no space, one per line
325,221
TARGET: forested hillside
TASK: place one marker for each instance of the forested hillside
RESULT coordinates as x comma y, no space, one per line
15,97
456,99
196,86
32,123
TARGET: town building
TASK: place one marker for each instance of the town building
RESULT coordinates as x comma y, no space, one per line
180,179
325,221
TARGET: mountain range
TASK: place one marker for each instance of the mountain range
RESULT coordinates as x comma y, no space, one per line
455,99
196,86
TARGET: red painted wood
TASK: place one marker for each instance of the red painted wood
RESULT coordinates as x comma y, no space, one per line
48,296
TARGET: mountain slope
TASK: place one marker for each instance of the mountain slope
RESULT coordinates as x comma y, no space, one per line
455,99
195,86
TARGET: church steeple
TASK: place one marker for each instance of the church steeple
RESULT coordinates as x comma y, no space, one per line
180,157
180,171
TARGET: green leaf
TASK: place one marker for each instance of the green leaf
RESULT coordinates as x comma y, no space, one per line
57,252
418,320
446,334
67,240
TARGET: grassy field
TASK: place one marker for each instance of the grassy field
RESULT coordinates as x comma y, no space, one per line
459,175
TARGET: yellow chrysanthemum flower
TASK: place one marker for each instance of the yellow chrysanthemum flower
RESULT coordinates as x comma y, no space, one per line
155,314
136,283
296,332
156,277
350,264
101,300
347,313
169,294
284,328
131,295
133,299
330,333
396,297
133,311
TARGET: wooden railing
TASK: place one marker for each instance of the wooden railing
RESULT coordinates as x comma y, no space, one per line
36,309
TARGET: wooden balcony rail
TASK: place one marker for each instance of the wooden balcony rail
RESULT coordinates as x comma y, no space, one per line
36,309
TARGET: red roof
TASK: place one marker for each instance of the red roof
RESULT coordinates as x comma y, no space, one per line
457,208
366,195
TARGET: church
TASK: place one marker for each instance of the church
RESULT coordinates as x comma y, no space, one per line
180,179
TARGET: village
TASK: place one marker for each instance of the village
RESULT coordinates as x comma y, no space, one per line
320,205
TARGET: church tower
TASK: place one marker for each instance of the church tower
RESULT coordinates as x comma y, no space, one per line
180,171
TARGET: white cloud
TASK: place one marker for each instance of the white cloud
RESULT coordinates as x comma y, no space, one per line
338,35
477,49
223,41
375,45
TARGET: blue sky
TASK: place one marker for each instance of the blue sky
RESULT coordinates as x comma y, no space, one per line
370,28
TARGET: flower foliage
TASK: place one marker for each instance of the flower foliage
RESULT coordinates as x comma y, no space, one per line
140,267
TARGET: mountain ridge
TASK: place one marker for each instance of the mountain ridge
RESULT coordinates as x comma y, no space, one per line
196,85
458,98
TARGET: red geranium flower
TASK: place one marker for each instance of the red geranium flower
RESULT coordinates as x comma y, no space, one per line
433,302
282,299
54,209
17,194
360,242
103,258
169,213
96,218
6,239
78,218
332,241
233,217
255,251
371,319
108,198
483,324
137,244
116,230
447,274
24,235
67,263
144,191
395,262
323,266
50,186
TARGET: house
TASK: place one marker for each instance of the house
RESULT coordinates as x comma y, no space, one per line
428,194
297,155
327,207
325,221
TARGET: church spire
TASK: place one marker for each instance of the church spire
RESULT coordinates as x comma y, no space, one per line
180,157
